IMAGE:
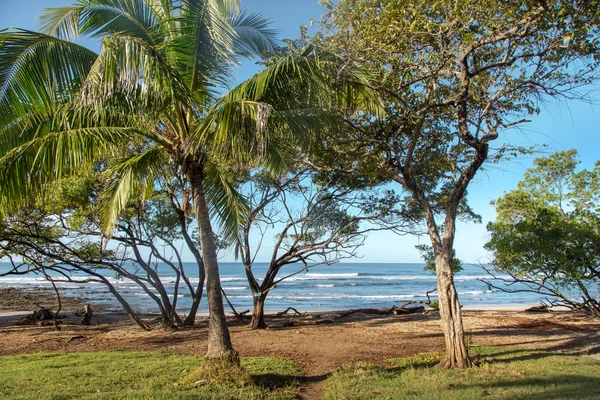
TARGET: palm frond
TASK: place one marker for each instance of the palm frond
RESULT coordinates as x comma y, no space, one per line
52,154
38,71
290,103
225,202
130,68
253,35
137,171
99,18
205,44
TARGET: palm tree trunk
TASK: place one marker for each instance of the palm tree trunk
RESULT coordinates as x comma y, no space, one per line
457,355
219,341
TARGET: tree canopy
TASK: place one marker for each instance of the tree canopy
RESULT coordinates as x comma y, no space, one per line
454,76
547,232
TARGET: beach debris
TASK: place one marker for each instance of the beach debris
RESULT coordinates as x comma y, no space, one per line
287,310
297,322
409,310
538,309
87,314
75,338
372,311
42,317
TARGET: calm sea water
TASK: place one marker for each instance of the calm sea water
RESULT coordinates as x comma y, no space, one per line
341,286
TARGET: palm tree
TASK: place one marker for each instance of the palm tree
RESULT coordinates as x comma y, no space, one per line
158,92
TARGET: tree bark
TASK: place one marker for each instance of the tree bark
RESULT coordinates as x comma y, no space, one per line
457,355
190,320
258,313
219,341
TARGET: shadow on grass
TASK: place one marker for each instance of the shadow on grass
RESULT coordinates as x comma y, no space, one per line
556,387
501,374
277,381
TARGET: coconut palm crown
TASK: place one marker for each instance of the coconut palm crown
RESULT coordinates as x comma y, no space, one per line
158,92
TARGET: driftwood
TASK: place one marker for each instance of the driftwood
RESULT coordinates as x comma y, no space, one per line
409,310
237,315
40,315
75,338
54,322
402,310
297,322
87,315
287,310
538,309
372,311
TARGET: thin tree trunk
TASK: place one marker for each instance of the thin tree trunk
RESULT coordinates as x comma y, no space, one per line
190,320
219,341
457,355
258,313
124,304
129,310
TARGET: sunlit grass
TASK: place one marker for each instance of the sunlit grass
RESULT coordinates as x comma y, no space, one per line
139,375
500,374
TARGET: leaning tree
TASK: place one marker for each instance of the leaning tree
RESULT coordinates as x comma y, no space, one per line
158,91
454,76
59,235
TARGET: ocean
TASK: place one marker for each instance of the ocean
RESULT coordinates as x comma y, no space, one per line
336,287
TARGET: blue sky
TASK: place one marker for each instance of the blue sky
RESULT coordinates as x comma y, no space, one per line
560,126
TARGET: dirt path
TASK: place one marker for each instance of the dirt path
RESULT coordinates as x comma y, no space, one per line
321,349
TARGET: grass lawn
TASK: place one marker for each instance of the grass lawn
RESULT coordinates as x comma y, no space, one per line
139,375
500,374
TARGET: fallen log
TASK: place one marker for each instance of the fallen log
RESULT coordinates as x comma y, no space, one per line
296,322
372,311
409,310
538,309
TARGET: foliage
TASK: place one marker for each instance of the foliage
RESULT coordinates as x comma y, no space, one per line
313,222
160,88
547,231
453,77
126,374
428,256
434,304
60,236
500,374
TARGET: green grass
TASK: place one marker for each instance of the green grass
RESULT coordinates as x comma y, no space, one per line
500,374
139,375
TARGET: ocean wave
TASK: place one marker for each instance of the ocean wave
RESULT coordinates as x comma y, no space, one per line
335,297
325,286
231,279
476,292
325,277
400,277
235,287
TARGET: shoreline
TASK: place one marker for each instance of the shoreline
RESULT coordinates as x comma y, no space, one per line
14,314
16,301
